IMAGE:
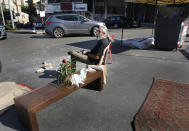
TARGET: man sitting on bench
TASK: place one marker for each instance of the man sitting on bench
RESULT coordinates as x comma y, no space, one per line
93,56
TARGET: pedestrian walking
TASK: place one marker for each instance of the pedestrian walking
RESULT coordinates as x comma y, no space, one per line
139,20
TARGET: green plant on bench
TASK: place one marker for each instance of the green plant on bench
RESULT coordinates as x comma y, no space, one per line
64,73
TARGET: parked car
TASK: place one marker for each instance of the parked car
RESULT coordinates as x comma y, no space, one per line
61,24
3,34
115,21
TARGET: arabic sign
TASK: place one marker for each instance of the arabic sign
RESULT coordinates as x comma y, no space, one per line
80,7
67,6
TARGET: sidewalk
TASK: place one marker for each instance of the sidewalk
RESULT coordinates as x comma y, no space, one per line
27,31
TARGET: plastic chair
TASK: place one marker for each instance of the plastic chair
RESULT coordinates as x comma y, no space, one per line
109,49
102,63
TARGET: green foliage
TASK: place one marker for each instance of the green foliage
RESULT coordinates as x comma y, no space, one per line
31,10
64,73
1,19
9,27
25,9
7,14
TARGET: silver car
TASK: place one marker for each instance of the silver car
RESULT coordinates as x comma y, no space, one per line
61,24
3,34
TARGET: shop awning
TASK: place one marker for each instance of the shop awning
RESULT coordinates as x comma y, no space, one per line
161,2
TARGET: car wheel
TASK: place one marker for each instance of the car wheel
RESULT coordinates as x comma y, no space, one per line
115,25
58,32
95,31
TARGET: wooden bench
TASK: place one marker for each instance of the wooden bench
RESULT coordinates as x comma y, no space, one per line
28,104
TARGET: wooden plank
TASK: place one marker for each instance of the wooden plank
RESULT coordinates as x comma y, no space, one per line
28,104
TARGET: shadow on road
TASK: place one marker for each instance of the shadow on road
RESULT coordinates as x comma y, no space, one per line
49,74
23,32
84,44
44,36
115,48
10,120
184,53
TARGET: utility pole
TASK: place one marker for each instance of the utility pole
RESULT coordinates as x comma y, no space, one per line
93,9
2,14
11,14
17,11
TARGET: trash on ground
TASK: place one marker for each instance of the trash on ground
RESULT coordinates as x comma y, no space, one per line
46,66
140,43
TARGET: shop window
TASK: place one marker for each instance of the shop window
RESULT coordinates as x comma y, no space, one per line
115,10
80,1
99,0
99,10
51,1
112,10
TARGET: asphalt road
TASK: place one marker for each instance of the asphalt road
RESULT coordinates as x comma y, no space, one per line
129,79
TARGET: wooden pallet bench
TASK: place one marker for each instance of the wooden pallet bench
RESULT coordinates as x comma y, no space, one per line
29,104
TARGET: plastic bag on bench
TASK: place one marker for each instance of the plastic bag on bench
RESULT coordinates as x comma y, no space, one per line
77,79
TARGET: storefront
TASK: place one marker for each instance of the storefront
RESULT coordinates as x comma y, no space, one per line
101,9
65,6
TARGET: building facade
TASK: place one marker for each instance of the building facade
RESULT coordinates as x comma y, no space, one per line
101,9
19,16
97,9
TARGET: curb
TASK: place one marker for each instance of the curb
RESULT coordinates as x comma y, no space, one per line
26,31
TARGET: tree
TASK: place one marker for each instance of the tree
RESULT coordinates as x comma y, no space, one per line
7,14
3,8
31,10
25,9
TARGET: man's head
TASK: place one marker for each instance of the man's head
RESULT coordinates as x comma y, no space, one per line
102,33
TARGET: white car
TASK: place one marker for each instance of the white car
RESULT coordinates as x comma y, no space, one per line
3,34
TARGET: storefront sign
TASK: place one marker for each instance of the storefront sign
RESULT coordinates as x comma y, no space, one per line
80,7
67,6
51,8
130,0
